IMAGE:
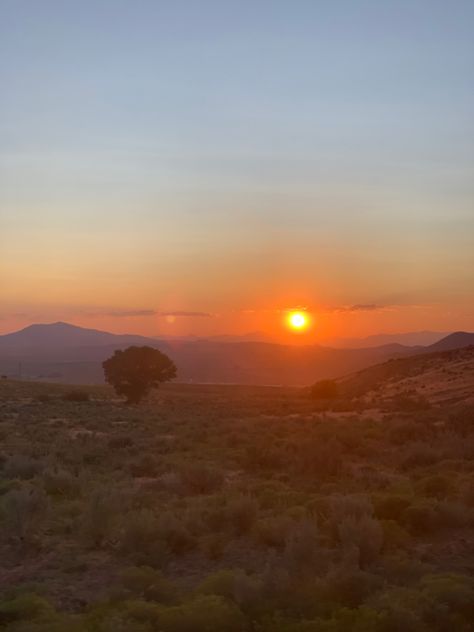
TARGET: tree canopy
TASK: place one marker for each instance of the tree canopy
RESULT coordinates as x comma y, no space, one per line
135,371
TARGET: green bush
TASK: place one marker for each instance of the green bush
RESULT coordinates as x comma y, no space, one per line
25,607
144,582
59,482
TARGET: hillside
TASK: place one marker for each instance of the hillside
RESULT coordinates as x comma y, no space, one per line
65,353
441,378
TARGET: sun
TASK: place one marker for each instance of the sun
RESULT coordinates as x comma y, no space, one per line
298,320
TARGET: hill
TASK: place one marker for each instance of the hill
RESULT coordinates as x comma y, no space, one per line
456,340
439,378
67,353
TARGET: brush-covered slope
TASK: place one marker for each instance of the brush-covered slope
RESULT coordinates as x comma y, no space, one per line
445,376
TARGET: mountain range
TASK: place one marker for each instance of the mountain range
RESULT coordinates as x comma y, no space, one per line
66,353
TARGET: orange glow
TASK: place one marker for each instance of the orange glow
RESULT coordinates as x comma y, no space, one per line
298,320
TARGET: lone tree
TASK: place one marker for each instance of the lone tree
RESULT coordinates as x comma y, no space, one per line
136,370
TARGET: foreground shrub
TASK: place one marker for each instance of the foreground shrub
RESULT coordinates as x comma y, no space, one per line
241,513
273,531
24,510
391,506
199,478
302,549
421,517
99,518
59,482
22,467
437,485
25,607
146,583
365,534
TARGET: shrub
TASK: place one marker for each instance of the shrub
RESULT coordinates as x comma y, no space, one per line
390,506
76,396
319,458
120,442
241,513
273,531
206,613
25,607
421,517
438,485
349,587
99,518
177,537
235,586
454,591
365,533
24,510
140,540
58,482
420,455
146,466
146,583
302,549
199,478
394,535
22,467
213,545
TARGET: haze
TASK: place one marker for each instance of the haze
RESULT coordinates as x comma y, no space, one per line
200,168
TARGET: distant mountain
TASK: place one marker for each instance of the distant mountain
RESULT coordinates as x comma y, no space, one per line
67,353
412,339
74,354
457,340
53,335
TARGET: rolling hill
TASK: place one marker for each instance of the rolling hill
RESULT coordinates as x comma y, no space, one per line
66,353
440,378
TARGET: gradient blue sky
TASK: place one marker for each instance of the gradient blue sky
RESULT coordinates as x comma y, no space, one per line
237,158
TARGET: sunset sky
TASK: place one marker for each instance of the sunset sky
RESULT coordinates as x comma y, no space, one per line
185,167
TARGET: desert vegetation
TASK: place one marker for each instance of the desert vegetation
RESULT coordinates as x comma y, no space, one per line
233,508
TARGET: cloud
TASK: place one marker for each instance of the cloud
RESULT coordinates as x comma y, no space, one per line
143,313
371,307
359,307
185,314
129,313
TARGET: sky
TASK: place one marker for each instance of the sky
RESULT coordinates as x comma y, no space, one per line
187,167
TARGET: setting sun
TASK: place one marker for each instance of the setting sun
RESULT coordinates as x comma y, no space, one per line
298,320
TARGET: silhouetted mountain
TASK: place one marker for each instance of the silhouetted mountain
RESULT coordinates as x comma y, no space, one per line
74,354
457,340
412,338
54,335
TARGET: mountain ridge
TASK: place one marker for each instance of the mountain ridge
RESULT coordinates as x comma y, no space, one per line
75,354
